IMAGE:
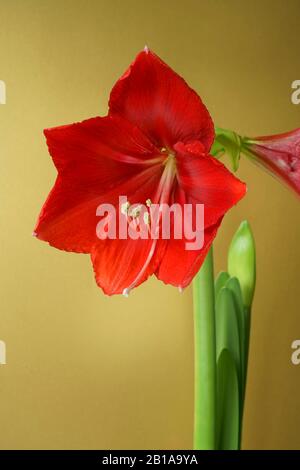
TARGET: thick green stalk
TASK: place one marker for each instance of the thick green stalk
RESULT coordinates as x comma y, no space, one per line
205,357
247,340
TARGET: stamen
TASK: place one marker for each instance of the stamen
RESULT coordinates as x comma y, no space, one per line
135,212
126,292
148,202
162,196
146,49
147,218
124,207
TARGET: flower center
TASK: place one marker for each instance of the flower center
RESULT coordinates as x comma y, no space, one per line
170,161
162,196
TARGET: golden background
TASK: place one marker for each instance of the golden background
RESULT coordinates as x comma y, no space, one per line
87,371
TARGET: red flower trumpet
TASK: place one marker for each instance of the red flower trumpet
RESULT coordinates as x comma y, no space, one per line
153,148
279,154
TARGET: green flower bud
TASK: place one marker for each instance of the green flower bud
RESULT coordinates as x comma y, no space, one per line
241,261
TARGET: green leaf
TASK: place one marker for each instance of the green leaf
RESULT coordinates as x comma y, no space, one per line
227,330
247,311
228,422
220,282
234,286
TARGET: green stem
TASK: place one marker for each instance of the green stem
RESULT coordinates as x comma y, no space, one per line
246,358
247,341
205,357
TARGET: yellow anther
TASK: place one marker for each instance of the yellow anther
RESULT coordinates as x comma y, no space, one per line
124,207
135,212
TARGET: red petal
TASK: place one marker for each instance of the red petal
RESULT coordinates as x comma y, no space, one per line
201,180
124,264
285,142
99,144
179,265
280,155
72,227
92,158
118,264
68,218
207,181
151,95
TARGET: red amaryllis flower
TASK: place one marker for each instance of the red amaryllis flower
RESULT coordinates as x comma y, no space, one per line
153,146
279,154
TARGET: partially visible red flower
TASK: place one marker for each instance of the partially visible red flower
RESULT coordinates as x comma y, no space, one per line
279,154
153,145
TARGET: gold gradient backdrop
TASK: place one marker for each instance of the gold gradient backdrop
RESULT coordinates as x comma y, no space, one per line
87,371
